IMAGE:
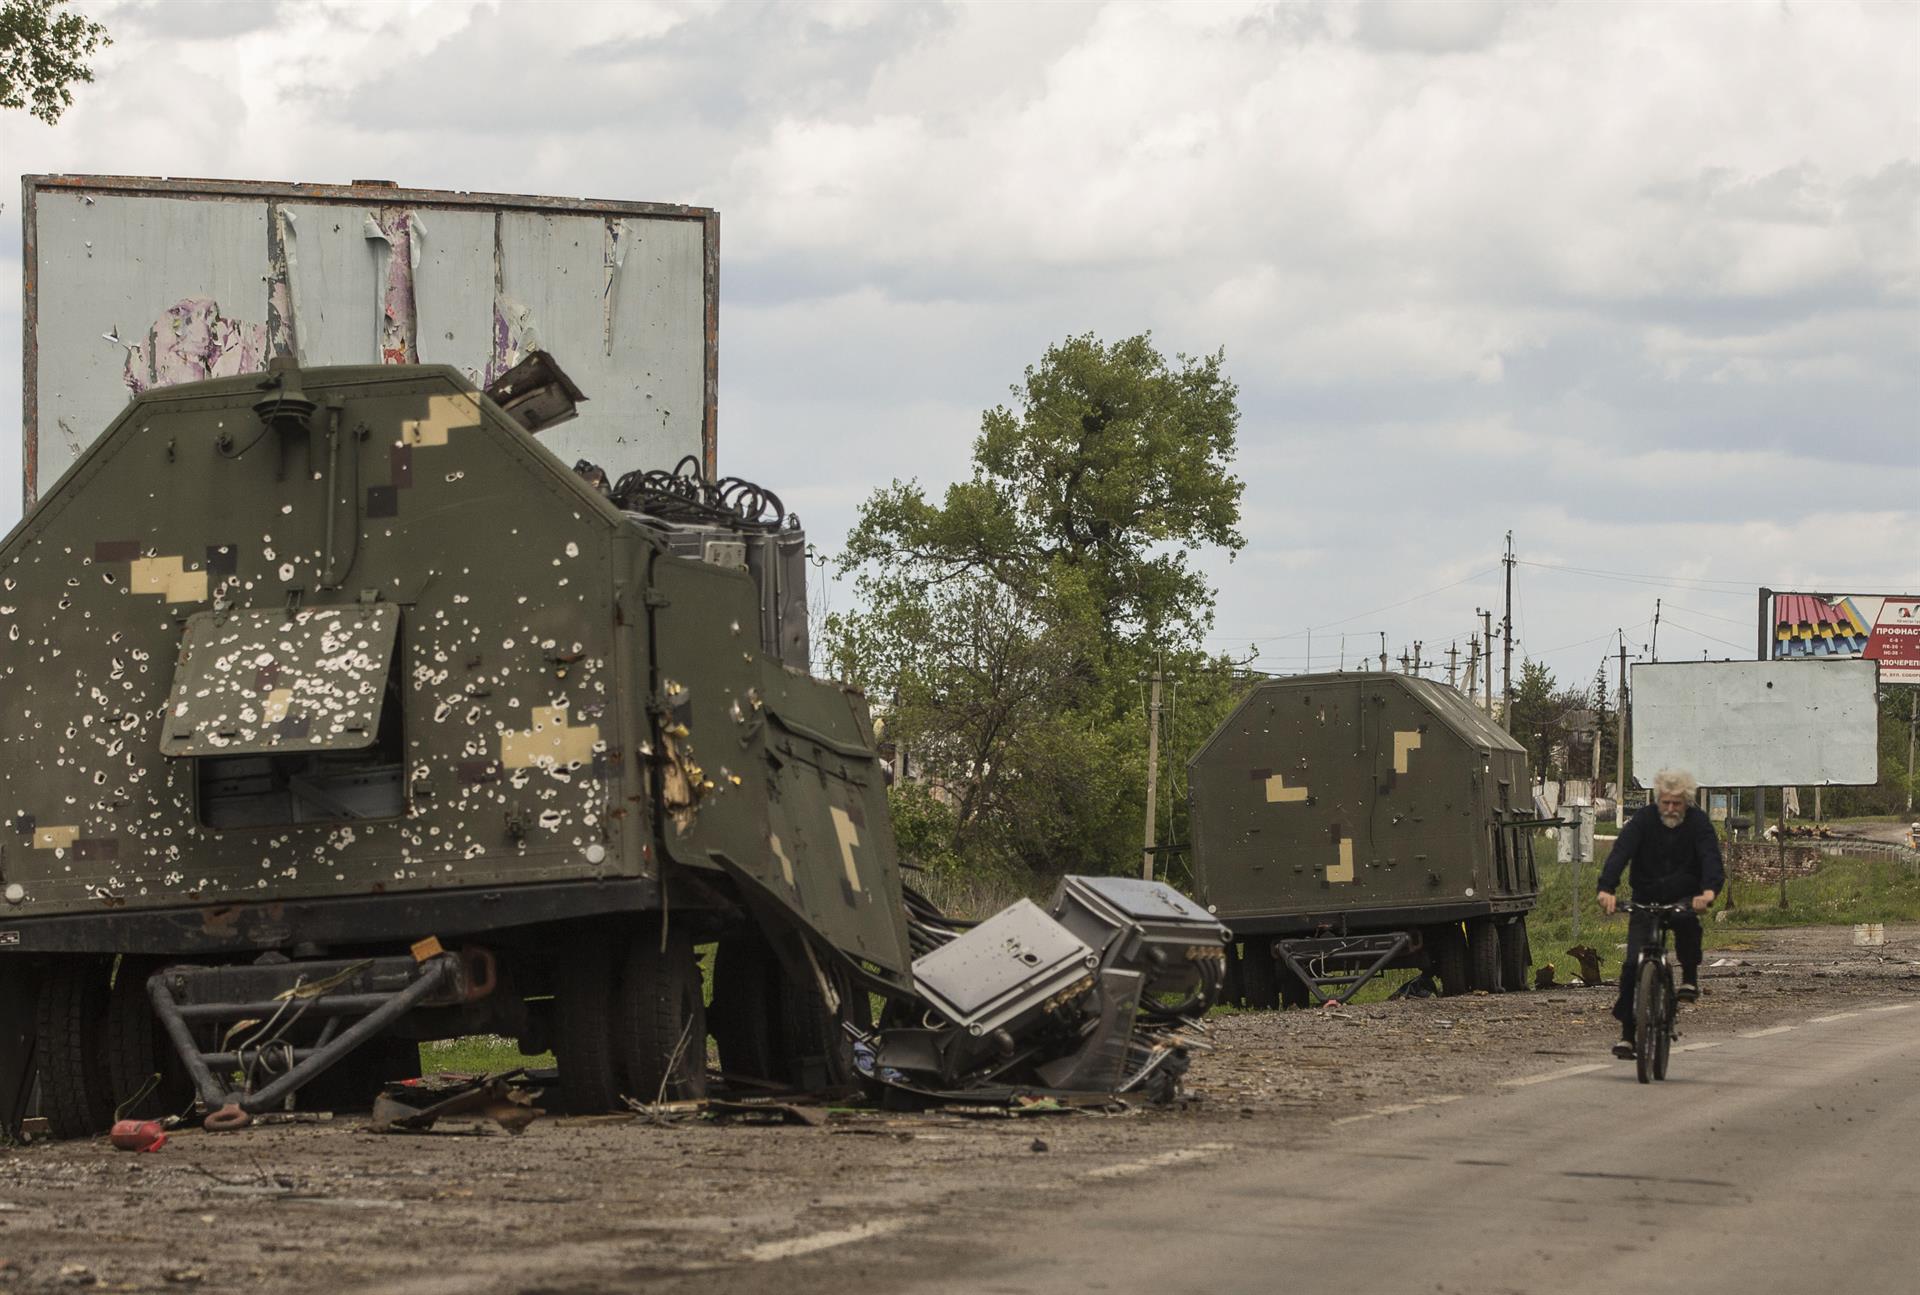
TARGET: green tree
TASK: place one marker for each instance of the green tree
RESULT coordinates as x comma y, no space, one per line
1006,628
1108,469
42,53
1536,714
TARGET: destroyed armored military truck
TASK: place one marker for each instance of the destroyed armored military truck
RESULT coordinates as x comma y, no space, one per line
337,714
1345,824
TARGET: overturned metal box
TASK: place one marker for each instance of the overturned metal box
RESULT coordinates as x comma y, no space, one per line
1150,928
1007,969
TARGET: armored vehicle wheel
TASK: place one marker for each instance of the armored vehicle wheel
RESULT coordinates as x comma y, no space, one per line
773,1028
1516,955
1293,990
660,1018
1261,976
71,1029
1483,955
583,1026
743,972
353,1082
1447,950
140,1061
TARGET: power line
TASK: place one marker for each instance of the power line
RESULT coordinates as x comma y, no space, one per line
1345,620
1703,634
1699,586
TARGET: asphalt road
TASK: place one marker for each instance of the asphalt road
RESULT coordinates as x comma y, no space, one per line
1785,1159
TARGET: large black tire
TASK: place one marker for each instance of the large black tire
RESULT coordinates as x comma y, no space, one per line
1483,955
70,1025
352,1083
1293,990
660,1018
1261,975
1447,951
140,1061
744,970
583,1026
1646,1022
1516,955
778,1030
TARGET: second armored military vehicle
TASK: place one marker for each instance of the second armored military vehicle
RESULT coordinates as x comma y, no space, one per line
1348,823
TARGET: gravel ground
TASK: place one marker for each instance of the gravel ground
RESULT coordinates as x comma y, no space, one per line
605,1205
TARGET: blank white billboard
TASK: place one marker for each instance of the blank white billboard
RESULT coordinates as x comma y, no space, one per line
1758,723
134,283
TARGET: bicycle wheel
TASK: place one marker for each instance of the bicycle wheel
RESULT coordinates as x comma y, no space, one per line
1663,1035
1646,1024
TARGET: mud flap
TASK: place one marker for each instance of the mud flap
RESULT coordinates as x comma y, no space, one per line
18,988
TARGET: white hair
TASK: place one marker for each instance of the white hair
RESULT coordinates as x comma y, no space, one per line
1675,782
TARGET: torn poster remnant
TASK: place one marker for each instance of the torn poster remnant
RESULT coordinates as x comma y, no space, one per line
191,341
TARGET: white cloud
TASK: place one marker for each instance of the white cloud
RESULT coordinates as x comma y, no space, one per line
1639,282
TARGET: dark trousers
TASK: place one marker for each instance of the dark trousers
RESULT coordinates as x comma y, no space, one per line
1686,943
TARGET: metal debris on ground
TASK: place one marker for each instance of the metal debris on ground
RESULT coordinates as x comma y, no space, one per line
1103,992
415,1107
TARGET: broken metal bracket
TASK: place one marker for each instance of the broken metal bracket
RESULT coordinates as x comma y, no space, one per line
381,1008
1344,963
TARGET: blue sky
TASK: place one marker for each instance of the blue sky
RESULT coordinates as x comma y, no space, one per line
1640,283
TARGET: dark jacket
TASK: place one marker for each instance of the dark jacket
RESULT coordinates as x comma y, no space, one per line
1668,863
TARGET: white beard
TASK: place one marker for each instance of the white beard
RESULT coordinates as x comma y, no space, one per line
1674,820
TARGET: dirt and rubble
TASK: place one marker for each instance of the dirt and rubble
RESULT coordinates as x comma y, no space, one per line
577,1206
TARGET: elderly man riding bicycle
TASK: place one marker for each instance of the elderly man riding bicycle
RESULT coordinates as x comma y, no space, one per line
1670,854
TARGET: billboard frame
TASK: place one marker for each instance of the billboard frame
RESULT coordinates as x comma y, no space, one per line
1647,760
377,192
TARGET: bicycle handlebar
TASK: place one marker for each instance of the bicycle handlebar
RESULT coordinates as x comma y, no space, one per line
1678,906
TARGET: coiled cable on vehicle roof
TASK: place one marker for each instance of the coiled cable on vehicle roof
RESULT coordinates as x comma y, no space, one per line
685,495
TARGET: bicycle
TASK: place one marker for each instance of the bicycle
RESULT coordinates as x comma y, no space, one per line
1653,996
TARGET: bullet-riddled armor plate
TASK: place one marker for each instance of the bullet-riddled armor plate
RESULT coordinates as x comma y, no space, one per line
312,680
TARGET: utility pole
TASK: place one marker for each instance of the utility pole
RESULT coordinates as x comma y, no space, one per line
1406,662
1472,681
1506,639
1383,651
1453,662
1620,739
1416,656
1153,778
1654,647
1486,622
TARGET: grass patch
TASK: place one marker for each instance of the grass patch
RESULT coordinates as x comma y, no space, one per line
1844,892
478,1054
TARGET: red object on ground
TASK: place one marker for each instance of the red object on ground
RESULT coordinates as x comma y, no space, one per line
138,1135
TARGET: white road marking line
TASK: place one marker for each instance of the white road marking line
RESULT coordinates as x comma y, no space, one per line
1837,1016
1699,1047
1761,1034
1896,1007
1418,1104
821,1240
1199,1151
1551,1075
